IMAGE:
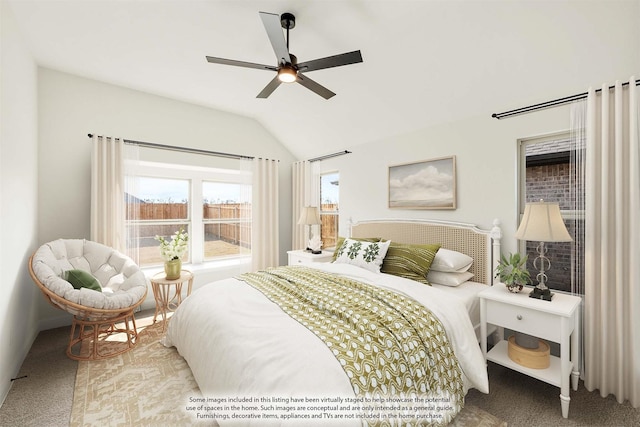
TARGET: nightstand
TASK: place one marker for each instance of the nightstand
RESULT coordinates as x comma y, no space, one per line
557,320
304,257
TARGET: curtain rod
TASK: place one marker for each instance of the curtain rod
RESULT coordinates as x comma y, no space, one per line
328,156
182,149
549,104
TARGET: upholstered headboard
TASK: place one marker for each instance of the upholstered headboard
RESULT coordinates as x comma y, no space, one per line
482,245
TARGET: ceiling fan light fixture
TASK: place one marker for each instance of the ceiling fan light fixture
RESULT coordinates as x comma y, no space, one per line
287,74
287,66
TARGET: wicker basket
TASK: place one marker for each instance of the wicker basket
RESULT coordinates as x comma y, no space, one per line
534,358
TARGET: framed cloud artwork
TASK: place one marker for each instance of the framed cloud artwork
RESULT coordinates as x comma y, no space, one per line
429,184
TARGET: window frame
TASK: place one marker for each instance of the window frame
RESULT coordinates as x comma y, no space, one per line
567,214
223,221
196,175
335,213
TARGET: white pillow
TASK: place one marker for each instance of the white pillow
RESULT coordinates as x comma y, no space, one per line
451,261
368,255
448,279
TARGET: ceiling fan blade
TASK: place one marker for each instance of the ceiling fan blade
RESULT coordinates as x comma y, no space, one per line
268,89
273,26
331,61
224,61
314,87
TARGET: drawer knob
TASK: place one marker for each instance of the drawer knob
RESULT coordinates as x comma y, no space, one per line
519,317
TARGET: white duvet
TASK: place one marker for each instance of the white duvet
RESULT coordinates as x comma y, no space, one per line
239,343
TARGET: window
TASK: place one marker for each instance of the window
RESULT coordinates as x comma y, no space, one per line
548,172
160,207
212,205
226,219
329,213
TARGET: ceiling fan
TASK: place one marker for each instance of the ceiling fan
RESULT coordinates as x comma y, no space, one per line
288,69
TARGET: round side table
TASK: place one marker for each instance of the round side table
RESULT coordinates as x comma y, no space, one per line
165,301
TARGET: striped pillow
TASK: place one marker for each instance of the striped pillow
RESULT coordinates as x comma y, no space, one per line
409,261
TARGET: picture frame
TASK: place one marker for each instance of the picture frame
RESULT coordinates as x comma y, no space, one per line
428,184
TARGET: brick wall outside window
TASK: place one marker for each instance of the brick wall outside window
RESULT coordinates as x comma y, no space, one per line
551,183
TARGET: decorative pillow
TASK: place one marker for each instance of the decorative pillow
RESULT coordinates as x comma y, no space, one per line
81,279
451,261
362,239
368,255
410,261
448,279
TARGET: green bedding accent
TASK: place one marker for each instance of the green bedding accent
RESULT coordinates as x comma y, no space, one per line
389,345
410,261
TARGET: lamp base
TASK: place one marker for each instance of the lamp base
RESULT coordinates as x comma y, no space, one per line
313,251
543,294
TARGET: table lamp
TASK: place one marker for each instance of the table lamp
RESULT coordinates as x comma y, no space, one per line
310,216
542,222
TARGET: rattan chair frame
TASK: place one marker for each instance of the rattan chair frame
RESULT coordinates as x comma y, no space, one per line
92,326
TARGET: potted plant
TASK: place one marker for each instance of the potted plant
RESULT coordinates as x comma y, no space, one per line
513,272
172,251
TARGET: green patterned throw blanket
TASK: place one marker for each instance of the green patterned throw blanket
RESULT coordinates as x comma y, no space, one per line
394,350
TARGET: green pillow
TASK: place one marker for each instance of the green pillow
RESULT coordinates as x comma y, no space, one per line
362,239
409,261
81,279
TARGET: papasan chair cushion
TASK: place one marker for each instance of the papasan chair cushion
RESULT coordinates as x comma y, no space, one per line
97,314
123,283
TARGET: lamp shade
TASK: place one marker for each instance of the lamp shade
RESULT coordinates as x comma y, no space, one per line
309,216
542,222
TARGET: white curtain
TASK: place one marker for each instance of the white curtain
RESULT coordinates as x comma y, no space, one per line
575,222
306,192
245,166
107,192
612,264
265,220
132,203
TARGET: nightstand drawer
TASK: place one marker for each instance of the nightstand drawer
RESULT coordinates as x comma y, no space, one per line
293,260
304,257
522,319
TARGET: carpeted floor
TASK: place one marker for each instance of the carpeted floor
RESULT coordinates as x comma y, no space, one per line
42,393
523,401
149,385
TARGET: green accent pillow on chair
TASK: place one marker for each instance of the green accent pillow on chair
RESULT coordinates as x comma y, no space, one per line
81,279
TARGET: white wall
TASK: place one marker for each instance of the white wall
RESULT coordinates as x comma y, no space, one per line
486,151
18,198
71,106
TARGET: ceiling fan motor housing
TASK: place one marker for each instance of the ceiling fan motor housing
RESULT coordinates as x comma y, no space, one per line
288,21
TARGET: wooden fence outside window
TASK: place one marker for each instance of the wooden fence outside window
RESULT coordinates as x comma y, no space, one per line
233,226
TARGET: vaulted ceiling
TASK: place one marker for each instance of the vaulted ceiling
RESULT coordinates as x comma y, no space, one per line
425,62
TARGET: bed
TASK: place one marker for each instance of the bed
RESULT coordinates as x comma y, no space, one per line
481,245
259,361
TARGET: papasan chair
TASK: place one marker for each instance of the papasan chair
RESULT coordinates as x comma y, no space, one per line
107,287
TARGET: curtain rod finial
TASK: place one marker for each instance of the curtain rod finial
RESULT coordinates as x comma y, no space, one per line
90,135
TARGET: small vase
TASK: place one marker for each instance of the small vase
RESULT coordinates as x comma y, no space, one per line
172,269
515,288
